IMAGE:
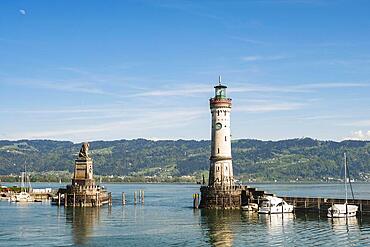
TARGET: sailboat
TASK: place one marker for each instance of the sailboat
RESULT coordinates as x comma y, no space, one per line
24,196
343,210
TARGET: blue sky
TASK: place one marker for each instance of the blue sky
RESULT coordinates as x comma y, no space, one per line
105,70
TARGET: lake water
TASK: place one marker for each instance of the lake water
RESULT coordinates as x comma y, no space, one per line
167,219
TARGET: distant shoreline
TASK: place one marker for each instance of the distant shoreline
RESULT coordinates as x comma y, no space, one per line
187,183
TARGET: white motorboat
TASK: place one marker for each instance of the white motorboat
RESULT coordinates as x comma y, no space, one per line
343,210
274,205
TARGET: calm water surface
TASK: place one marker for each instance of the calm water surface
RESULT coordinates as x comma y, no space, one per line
167,219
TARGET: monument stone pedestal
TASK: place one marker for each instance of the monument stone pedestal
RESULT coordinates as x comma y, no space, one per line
83,174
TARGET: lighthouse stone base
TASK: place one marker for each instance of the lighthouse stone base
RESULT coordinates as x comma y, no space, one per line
213,197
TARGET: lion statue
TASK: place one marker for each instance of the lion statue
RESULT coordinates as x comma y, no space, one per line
84,150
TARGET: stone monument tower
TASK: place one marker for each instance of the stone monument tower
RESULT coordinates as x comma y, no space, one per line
221,191
221,167
83,192
83,173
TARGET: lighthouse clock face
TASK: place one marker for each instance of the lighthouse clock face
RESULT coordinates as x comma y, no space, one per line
218,126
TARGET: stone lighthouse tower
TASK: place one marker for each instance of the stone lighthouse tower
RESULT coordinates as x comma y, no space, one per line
221,191
221,167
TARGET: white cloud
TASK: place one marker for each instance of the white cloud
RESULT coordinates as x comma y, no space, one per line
141,122
321,117
249,40
22,12
262,58
333,85
359,135
359,123
199,89
269,107
179,91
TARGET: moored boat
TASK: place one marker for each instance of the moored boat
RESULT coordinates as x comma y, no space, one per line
343,210
24,197
274,205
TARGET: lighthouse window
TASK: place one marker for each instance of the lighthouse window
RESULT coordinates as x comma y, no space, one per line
218,168
218,113
225,113
218,150
225,138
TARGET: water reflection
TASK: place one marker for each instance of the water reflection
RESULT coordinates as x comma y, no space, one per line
83,221
276,223
344,224
217,225
248,217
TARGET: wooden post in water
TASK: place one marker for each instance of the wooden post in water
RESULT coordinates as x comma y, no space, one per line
59,199
85,200
318,204
195,200
361,208
65,199
135,198
74,199
142,197
123,198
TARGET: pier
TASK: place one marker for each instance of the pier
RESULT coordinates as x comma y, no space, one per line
321,205
317,205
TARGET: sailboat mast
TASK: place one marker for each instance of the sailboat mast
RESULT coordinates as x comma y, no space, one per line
345,175
22,181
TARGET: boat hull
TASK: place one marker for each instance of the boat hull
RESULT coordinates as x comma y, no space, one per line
342,211
276,210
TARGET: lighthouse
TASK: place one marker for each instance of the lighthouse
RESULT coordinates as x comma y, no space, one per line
221,191
221,167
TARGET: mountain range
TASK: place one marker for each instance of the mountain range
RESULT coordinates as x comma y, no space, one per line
298,159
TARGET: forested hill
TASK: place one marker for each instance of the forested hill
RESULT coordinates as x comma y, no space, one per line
296,158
